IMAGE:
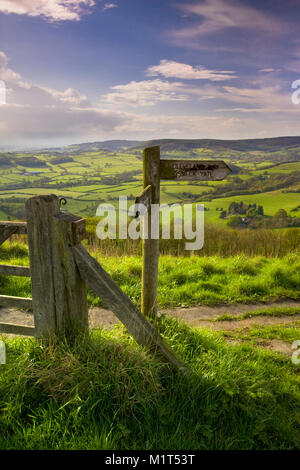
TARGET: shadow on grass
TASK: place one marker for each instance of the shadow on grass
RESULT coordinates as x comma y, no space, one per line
105,392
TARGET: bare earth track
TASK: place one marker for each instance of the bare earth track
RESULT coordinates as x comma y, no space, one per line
200,316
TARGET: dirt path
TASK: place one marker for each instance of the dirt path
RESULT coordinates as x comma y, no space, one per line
194,316
200,316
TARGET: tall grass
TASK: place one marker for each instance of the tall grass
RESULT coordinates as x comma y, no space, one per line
218,240
207,280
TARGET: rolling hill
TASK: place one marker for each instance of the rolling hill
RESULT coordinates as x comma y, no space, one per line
184,145
265,172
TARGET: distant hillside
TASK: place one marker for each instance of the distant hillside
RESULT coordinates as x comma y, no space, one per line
274,144
108,145
249,145
184,145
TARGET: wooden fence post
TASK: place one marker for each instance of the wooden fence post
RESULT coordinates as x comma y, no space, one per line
151,164
59,297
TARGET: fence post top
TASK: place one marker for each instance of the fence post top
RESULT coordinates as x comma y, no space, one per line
47,198
155,148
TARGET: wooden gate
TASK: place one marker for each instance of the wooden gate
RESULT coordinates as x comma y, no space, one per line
60,269
7,229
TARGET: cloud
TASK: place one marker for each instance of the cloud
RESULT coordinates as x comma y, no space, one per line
262,95
264,98
270,70
71,96
219,15
109,6
55,124
185,126
36,114
6,73
172,69
145,93
52,10
261,98
3,60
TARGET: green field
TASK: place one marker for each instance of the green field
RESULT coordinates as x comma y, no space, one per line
88,178
271,201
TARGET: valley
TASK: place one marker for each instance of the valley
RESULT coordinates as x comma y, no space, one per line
264,172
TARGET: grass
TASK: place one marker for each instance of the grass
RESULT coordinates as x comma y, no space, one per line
264,312
288,333
184,281
218,241
211,280
105,392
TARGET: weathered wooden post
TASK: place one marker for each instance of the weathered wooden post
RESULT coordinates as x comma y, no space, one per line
59,296
151,163
155,169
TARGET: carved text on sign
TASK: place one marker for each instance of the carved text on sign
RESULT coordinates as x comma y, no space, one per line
197,170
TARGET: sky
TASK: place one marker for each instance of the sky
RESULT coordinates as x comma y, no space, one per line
90,70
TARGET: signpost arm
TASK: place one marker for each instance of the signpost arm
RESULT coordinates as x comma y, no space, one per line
151,176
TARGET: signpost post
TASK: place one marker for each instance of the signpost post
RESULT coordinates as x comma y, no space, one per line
151,177
155,169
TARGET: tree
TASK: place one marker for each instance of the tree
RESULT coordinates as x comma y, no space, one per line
260,210
234,208
235,221
251,212
281,214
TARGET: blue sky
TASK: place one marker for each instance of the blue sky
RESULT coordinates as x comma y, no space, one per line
83,70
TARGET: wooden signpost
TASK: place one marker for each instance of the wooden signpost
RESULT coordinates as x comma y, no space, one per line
203,170
154,170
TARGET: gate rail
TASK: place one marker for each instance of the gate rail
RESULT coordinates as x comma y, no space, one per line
7,229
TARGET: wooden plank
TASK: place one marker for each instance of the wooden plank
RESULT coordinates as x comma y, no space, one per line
59,293
22,303
78,230
115,299
6,232
144,198
151,165
201,170
11,270
21,227
11,328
